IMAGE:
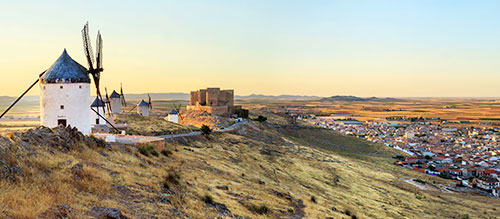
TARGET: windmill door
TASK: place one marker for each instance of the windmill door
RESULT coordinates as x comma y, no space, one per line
61,122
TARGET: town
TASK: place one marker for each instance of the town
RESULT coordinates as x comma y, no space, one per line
465,154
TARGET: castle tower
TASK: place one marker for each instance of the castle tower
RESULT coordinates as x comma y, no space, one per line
116,104
143,108
65,95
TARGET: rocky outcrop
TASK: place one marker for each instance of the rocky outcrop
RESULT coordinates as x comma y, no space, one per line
60,211
11,173
105,212
60,137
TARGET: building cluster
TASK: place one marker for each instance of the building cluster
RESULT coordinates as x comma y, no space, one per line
468,155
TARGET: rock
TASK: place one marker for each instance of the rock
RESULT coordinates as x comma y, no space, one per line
222,187
333,208
78,171
164,199
221,209
60,211
11,173
105,212
60,137
167,191
103,154
261,182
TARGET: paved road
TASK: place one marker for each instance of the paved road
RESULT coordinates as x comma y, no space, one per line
230,128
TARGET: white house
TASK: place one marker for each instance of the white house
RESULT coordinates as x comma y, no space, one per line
65,95
173,116
143,108
116,104
97,106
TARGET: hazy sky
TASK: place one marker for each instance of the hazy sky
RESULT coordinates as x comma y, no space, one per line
364,48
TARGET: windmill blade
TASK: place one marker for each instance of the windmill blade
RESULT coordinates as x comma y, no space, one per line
99,51
149,103
122,96
22,95
107,96
108,102
87,46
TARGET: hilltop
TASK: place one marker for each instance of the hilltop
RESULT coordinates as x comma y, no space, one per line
261,170
354,98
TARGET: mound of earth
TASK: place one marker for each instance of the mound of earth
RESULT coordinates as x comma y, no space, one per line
198,118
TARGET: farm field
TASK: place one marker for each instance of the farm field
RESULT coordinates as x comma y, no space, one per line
475,110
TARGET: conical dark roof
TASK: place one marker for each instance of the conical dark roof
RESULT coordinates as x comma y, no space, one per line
66,70
97,103
114,95
173,112
143,103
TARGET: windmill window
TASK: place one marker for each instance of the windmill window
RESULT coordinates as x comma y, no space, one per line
44,87
80,86
62,106
61,87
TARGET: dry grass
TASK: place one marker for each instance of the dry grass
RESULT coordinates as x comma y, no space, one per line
150,125
293,171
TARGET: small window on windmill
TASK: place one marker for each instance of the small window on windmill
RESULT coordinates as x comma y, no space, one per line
61,87
44,87
80,86
62,106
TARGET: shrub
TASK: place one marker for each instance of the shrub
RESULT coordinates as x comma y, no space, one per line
313,199
205,130
208,199
147,149
262,209
290,210
144,151
347,212
171,178
243,113
166,152
419,181
261,119
155,153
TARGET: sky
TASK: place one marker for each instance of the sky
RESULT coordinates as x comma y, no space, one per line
421,48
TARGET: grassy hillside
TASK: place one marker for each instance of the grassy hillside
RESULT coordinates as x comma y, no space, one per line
262,170
150,125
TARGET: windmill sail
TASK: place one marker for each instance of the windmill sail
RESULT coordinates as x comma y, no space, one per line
122,96
149,102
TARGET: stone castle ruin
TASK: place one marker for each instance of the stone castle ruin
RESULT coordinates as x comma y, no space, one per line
214,101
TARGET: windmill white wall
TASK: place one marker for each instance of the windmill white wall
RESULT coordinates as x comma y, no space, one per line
95,119
143,110
65,101
173,118
98,107
116,105
65,95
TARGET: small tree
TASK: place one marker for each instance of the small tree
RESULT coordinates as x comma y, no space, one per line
261,119
243,113
432,167
205,130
